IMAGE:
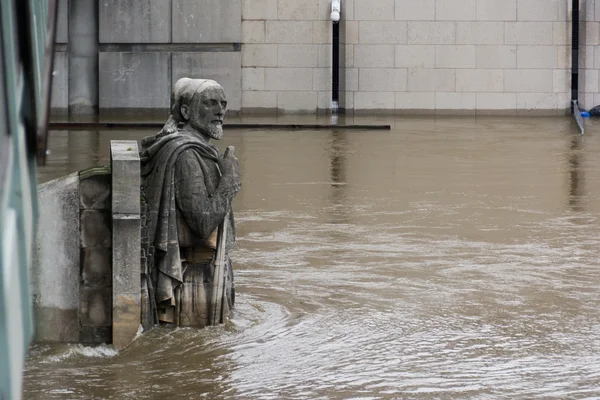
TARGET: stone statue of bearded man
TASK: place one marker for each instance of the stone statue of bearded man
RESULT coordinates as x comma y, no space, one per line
189,188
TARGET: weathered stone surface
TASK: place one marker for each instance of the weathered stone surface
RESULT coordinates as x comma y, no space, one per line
83,56
95,334
60,82
94,192
55,273
126,255
126,319
95,307
223,67
135,21
126,251
134,80
125,166
206,21
96,267
62,22
54,324
95,229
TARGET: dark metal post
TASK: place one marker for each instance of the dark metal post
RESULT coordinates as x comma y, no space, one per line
575,56
335,74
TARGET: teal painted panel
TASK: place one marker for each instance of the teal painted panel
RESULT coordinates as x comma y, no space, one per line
18,193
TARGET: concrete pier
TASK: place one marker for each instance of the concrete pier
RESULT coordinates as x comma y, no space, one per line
125,166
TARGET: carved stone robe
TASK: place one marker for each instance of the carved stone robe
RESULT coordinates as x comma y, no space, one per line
181,179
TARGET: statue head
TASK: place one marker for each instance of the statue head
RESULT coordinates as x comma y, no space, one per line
200,104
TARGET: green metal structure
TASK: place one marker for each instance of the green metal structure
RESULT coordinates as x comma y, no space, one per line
26,47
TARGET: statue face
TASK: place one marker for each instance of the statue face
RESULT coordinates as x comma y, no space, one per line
207,111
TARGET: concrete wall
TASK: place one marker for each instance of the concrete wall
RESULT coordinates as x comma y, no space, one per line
72,269
487,56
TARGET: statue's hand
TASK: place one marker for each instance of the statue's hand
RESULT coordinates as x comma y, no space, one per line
230,169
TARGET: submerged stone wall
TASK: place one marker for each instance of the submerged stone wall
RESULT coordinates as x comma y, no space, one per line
72,268
86,272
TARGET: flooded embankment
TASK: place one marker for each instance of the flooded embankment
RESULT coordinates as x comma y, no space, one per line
446,258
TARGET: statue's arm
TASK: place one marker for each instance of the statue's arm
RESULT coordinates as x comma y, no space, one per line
203,213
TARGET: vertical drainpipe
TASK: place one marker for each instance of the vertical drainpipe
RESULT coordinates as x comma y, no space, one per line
575,56
335,71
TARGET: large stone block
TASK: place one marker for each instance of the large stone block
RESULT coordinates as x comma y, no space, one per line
537,101
415,56
425,32
588,80
134,80
494,10
126,282
480,32
369,10
561,33
53,324
528,81
374,56
374,101
537,57
415,101
207,21
253,79
253,31
95,334
95,307
417,10
289,32
322,79
528,33
223,67
94,192
297,55
259,99
479,80
382,79
537,10
298,9
96,267
294,79
382,32
125,166
95,229
62,22
431,80
259,9
496,57
496,101
56,266
134,21
259,55
561,81
60,81
126,254
455,10
455,101
297,101
322,32
455,56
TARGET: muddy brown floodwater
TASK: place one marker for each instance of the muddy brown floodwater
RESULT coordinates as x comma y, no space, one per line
448,258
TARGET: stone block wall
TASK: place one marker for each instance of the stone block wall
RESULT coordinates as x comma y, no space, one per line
95,293
72,269
444,56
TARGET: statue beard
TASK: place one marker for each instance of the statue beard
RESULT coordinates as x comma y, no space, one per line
212,130
215,131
